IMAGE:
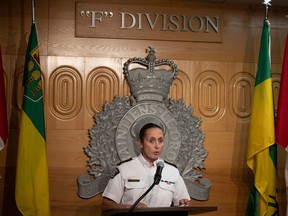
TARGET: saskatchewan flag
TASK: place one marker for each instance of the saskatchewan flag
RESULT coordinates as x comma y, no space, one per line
32,191
262,150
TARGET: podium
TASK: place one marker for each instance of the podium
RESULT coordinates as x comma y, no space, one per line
163,211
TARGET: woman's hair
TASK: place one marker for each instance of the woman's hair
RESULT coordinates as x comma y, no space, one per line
145,128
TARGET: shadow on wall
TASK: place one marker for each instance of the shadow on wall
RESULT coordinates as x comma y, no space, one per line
9,203
89,207
243,177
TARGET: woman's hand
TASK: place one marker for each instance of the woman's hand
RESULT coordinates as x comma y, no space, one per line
184,202
141,205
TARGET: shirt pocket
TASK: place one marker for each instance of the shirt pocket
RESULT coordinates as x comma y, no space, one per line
133,189
165,194
170,186
134,184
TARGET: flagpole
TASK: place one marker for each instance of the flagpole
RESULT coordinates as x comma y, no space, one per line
32,180
267,4
33,11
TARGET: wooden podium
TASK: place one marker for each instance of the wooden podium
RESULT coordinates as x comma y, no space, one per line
163,211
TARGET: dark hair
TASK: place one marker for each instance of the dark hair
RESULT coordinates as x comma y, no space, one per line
145,128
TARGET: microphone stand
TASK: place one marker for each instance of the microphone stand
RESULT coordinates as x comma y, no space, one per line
156,181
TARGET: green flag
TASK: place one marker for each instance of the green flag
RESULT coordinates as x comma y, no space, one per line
32,191
262,150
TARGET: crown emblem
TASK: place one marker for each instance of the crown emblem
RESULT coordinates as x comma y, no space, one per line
149,83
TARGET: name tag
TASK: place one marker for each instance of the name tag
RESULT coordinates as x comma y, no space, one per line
133,180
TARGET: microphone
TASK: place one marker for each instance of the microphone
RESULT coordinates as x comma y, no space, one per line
157,178
158,174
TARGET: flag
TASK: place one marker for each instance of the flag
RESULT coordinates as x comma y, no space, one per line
32,189
3,108
262,150
282,114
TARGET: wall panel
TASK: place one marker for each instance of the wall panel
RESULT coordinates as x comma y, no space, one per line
82,74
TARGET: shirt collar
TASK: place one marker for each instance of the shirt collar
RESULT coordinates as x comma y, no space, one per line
145,163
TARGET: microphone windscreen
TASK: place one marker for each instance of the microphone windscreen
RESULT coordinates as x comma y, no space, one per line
160,163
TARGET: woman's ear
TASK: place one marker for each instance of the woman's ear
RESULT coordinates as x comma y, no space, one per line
140,144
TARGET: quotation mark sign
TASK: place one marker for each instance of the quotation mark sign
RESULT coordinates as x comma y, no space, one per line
96,16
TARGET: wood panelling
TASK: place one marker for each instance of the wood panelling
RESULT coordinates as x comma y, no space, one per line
82,74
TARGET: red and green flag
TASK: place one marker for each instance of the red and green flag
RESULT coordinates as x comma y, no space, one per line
282,113
262,150
32,189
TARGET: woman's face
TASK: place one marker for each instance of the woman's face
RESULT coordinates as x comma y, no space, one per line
152,144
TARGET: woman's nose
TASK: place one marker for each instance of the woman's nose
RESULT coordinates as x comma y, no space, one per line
157,144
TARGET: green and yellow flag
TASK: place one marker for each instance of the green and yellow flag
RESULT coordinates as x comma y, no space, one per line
262,150
32,190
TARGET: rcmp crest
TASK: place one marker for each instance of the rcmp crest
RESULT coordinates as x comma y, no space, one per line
113,138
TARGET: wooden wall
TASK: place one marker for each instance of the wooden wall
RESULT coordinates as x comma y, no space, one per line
217,79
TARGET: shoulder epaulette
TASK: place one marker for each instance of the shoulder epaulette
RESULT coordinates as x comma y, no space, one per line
170,164
121,162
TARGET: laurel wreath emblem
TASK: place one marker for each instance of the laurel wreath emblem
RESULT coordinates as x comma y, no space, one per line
102,153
